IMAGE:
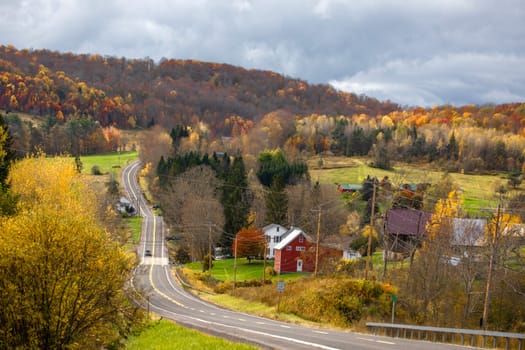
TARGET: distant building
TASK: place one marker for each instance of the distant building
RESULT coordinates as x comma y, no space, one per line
405,229
349,188
124,206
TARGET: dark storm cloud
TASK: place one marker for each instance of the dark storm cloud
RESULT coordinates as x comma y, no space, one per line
412,52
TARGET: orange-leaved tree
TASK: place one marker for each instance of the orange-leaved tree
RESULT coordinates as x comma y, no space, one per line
250,242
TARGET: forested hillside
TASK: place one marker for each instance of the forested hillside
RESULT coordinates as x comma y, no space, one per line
82,102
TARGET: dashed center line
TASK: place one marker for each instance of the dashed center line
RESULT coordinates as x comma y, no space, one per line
367,339
320,332
283,326
385,342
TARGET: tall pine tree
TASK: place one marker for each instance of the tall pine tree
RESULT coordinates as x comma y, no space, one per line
236,200
7,155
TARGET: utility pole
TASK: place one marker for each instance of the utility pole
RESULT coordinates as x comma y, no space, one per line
317,242
234,264
369,251
492,257
264,265
210,260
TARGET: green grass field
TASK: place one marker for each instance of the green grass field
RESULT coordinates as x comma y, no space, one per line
478,190
223,270
166,335
109,162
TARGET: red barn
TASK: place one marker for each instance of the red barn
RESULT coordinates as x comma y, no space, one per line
296,253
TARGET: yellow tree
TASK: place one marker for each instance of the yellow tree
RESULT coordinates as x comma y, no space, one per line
499,234
431,270
61,276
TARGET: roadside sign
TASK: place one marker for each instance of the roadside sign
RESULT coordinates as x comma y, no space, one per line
394,298
280,286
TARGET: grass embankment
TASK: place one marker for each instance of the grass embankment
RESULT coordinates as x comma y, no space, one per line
329,305
166,335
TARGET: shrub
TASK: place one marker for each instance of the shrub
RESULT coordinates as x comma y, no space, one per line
206,265
270,271
95,170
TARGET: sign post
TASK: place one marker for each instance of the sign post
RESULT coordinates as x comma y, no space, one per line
394,298
280,289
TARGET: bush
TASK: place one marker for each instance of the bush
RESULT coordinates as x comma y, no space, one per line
95,170
270,271
340,302
206,263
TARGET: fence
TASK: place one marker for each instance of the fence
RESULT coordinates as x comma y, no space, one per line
450,335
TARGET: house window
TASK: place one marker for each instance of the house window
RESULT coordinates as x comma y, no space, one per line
301,239
288,247
277,239
299,249
268,238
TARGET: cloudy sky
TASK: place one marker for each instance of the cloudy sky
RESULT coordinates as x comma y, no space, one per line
413,52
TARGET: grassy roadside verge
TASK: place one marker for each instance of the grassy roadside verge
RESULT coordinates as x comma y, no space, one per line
167,335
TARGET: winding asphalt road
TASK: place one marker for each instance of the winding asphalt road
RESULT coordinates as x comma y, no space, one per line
169,299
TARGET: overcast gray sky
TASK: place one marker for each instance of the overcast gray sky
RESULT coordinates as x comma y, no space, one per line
413,52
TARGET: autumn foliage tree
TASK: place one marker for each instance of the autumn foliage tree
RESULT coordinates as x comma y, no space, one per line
250,242
62,279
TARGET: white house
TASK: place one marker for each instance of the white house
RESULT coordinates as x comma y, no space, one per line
274,234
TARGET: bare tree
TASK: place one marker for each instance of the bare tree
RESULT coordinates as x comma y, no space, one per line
191,207
154,143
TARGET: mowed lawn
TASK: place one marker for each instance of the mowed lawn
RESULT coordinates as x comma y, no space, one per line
108,162
223,270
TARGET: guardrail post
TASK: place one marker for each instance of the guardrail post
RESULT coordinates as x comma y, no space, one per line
483,341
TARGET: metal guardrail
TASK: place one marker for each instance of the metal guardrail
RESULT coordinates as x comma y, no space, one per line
449,335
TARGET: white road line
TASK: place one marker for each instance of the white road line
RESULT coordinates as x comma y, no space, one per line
320,332
384,342
260,322
367,339
293,340
283,326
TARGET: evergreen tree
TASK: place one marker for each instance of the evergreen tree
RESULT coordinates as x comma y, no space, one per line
452,147
8,200
367,194
276,203
236,200
176,134
7,155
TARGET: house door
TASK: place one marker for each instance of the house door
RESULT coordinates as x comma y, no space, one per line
299,265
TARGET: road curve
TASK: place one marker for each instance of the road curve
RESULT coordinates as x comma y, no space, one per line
167,298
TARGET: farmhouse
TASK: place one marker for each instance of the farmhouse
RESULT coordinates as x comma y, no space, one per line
296,252
273,234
